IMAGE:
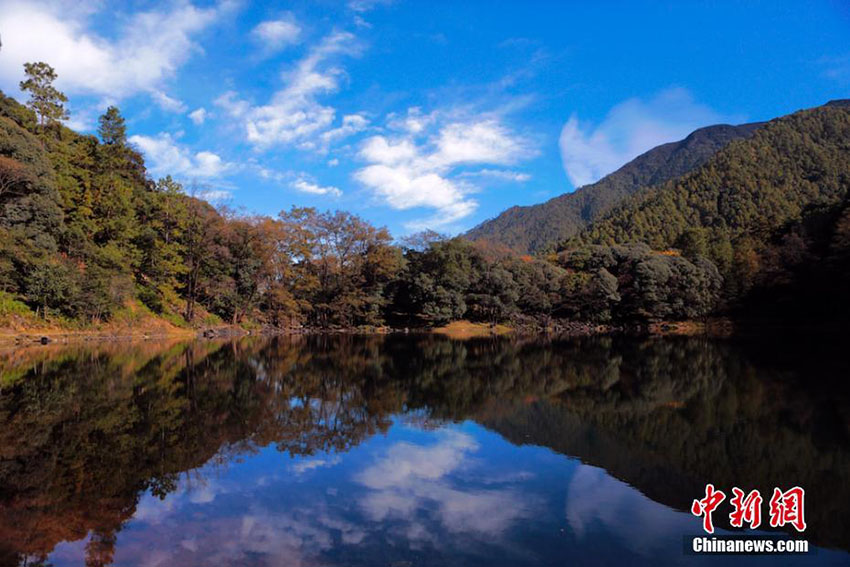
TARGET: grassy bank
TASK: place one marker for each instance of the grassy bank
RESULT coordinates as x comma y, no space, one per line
19,324
469,330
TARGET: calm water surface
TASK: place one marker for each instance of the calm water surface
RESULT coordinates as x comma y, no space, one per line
411,451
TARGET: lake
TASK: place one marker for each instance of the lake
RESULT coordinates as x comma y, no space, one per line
406,450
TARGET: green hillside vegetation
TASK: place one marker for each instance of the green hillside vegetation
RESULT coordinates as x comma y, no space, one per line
88,238
539,228
771,212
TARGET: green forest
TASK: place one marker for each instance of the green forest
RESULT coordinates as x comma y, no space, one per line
539,228
88,237
771,212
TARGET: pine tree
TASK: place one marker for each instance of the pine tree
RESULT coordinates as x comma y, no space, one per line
112,129
45,100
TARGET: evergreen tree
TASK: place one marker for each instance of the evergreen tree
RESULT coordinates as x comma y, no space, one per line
45,100
111,129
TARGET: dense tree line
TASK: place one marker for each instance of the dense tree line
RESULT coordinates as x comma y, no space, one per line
86,236
769,212
539,228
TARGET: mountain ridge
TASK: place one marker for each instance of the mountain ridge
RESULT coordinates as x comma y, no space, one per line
536,228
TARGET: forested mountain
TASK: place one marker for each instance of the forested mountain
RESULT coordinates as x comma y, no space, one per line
537,228
88,237
770,211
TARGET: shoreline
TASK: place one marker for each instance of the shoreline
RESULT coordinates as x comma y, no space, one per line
11,338
459,330
17,337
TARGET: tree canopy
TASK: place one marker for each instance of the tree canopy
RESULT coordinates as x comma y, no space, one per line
87,236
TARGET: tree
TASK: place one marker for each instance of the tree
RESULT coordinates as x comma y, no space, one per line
203,226
14,176
351,261
492,296
48,284
249,265
111,129
693,243
420,241
45,99
438,281
162,218
291,284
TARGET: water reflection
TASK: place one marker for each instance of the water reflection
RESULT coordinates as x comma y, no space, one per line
408,450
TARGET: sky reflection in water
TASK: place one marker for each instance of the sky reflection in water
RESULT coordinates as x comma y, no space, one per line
418,490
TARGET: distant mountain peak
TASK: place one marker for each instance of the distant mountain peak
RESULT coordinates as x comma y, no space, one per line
537,227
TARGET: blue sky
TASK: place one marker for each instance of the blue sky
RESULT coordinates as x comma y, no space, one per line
421,114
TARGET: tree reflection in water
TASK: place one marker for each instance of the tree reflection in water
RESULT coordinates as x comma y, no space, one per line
86,431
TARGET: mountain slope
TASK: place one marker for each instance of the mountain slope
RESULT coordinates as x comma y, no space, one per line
536,228
750,188
772,213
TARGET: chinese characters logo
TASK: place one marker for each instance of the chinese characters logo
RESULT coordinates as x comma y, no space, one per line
785,508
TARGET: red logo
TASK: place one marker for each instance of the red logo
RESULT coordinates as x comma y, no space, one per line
707,505
746,509
785,508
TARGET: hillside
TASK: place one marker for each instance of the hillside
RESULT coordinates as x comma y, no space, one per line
751,187
88,238
538,227
771,212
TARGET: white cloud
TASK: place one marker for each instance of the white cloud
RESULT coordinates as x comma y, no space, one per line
232,105
404,187
166,156
598,504
406,173
215,196
478,142
404,496
294,115
83,119
277,34
198,116
209,165
168,103
273,174
499,175
306,186
381,150
413,478
413,122
351,124
406,464
366,5
629,129
145,51
306,465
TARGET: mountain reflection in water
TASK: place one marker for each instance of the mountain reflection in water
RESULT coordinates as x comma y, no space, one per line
410,450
